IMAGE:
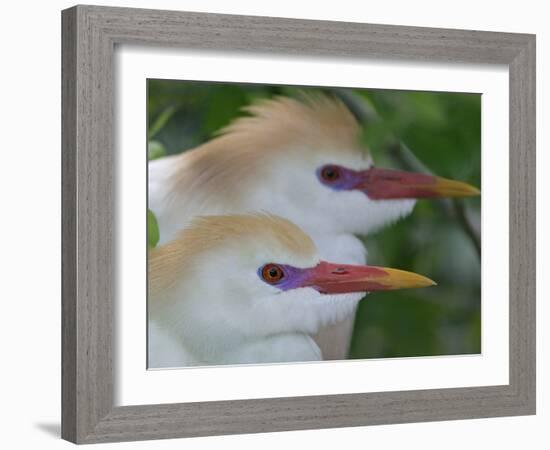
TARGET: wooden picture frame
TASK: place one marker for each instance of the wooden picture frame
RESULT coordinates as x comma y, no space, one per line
90,34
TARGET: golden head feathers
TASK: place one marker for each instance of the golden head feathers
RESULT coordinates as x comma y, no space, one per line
316,120
207,233
274,128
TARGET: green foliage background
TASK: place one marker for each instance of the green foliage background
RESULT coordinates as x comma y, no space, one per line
443,130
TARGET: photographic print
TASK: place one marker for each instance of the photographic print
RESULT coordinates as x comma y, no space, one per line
294,224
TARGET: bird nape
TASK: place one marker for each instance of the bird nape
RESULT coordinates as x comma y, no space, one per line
240,289
302,160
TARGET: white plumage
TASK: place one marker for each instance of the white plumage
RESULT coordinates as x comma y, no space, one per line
208,302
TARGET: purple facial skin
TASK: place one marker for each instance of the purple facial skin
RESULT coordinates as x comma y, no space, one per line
294,277
347,178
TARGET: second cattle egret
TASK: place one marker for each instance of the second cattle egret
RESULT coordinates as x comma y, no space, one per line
301,160
250,289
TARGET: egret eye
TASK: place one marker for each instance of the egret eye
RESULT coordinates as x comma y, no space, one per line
330,173
272,273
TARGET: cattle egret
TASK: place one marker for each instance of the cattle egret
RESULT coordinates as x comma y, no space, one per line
302,160
243,289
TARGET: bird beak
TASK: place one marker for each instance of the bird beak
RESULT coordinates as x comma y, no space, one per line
329,278
380,184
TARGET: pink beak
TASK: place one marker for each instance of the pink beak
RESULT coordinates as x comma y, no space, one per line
329,278
392,184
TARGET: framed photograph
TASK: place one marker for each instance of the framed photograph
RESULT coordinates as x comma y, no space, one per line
277,224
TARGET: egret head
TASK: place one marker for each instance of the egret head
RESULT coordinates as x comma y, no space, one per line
257,275
303,159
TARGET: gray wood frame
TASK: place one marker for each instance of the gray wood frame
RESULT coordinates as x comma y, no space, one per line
90,34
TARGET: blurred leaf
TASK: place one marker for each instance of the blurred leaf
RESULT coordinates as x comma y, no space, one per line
404,325
377,135
155,150
161,120
152,229
474,335
225,105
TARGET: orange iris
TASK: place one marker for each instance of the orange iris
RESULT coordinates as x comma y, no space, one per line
272,273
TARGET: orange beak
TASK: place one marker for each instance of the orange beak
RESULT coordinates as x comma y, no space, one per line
329,278
392,184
